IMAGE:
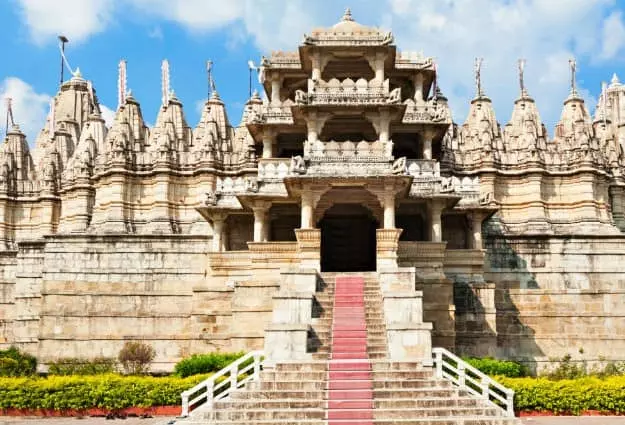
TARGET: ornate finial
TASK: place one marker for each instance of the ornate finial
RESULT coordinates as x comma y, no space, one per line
77,73
212,91
121,83
165,82
573,66
522,77
478,77
9,106
615,81
347,16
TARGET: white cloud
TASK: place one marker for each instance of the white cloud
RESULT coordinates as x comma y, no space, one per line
613,34
29,107
76,19
545,33
108,114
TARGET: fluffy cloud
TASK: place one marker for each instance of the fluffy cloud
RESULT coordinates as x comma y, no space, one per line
76,19
108,114
613,34
545,33
29,107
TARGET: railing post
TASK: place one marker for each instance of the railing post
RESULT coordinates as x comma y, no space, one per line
461,374
510,403
234,377
185,404
439,364
256,367
485,384
210,393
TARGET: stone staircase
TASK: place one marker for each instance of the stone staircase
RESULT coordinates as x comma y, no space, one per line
350,380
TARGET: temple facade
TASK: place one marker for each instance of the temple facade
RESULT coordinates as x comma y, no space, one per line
509,242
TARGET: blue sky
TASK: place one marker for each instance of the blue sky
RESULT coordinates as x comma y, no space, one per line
188,32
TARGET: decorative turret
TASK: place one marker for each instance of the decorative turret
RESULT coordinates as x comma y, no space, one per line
479,137
525,137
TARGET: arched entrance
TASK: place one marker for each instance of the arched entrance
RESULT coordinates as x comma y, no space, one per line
348,239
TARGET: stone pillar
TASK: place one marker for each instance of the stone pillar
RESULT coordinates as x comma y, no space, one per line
383,135
267,144
260,223
436,229
476,228
389,210
311,124
218,231
379,66
307,210
418,89
275,90
316,66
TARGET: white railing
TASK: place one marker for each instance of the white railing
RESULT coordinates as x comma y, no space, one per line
235,375
468,378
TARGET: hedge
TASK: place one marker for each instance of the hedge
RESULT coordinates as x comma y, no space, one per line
571,396
206,363
102,391
491,366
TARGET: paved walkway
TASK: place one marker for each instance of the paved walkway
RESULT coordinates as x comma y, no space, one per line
162,420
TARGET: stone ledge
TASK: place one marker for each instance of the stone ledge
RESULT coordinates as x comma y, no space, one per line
413,294
409,326
282,327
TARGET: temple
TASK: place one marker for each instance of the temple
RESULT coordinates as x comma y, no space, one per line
482,239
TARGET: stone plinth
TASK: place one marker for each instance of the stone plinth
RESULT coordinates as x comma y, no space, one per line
387,243
309,248
426,257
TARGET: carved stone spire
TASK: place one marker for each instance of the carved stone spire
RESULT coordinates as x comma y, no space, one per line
347,16
522,78
121,84
165,82
478,78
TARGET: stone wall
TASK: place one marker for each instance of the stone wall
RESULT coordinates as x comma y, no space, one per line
558,295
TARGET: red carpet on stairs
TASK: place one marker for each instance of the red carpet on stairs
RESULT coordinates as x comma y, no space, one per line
350,379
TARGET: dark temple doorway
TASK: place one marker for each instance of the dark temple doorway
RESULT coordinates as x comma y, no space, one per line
348,239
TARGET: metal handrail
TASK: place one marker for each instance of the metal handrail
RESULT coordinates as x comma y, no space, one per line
208,391
453,368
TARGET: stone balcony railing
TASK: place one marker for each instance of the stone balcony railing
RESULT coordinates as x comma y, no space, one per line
423,168
413,60
274,168
428,112
272,115
362,151
284,60
348,92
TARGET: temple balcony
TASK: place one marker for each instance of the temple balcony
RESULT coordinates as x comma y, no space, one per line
413,61
348,151
272,115
348,92
430,112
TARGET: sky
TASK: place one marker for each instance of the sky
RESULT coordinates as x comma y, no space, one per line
546,33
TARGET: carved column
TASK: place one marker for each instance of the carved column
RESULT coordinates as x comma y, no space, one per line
436,229
476,229
389,210
219,221
267,144
418,89
275,90
307,210
316,66
384,126
427,144
261,229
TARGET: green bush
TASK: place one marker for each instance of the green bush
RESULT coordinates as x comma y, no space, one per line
15,363
76,366
102,391
205,363
568,395
491,366
135,357
567,369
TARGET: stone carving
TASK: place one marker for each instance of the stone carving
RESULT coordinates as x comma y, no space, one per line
251,185
298,165
399,166
211,199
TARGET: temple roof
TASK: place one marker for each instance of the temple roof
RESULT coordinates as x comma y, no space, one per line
348,32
